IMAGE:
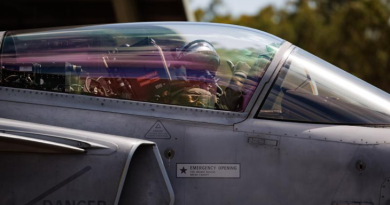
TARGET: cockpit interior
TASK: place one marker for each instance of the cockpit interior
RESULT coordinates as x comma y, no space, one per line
162,67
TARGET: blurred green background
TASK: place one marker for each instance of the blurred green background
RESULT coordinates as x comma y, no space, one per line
353,35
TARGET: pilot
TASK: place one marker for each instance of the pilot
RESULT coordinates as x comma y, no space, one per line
195,85
233,97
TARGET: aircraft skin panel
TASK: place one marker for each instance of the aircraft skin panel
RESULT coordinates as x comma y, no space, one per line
165,175
357,182
52,179
14,143
97,147
267,172
126,168
119,106
266,169
360,178
67,177
344,133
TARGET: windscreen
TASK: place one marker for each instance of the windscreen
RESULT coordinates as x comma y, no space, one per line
309,89
196,65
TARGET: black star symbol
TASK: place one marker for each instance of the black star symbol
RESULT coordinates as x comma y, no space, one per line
183,170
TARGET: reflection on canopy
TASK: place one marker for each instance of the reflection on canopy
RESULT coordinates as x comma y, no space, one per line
310,90
142,62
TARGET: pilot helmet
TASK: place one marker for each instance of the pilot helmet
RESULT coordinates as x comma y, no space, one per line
199,55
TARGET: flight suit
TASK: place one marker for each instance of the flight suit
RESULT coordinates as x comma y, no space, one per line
192,94
195,97
187,94
232,98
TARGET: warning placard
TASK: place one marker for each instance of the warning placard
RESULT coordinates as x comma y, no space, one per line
158,131
208,170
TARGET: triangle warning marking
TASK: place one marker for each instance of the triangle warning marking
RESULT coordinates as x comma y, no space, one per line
158,131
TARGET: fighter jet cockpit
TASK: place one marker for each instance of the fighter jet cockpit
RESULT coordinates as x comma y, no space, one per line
198,65
184,113
308,89
171,64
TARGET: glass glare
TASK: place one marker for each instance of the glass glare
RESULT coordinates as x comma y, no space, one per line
309,89
198,65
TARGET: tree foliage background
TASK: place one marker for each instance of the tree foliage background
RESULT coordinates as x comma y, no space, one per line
351,34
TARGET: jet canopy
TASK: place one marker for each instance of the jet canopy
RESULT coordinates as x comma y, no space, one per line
210,66
309,89
196,65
